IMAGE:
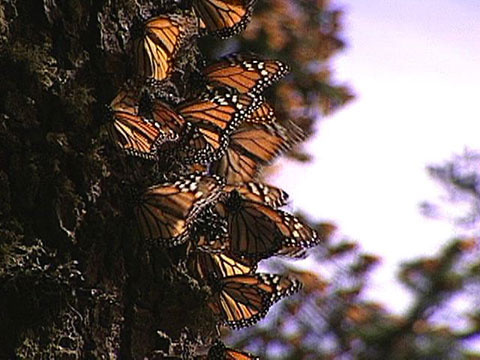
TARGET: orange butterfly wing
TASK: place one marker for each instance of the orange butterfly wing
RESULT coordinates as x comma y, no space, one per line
130,132
242,300
260,193
256,229
246,73
251,147
162,38
264,115
203,265
219,351
224,18
165,212
212,118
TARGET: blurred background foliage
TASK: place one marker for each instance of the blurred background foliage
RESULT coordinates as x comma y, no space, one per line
332,319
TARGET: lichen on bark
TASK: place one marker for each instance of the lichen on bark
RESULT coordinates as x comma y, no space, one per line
76,280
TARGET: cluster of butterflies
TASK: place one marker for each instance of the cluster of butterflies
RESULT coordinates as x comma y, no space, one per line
223,136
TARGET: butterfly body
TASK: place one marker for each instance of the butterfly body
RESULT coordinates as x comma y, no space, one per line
165,212
210,232
257,228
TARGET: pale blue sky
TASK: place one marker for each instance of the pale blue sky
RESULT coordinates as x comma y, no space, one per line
415,67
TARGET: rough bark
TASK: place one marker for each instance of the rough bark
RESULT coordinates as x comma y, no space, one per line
75,279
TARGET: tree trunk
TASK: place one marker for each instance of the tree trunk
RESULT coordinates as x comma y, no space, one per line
75,279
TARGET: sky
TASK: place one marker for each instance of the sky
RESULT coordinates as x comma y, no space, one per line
414,67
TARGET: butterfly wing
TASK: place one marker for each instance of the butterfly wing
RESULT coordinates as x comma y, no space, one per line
130,132
166,119
224,18
203,265
257,229
246,73
264,114
219,351
165,212
235,166
252,229
232,354
150,59
297,236
251,147
162,38
212,118
242,300
260,193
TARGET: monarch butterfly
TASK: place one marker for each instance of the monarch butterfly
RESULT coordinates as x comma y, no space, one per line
245,73
212,118
209,232
163,116
161,39
165,212
203,265
129,131
224,18
251,147
242,300
219,351
257,230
